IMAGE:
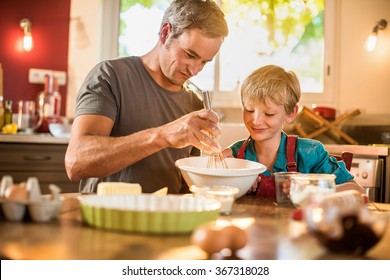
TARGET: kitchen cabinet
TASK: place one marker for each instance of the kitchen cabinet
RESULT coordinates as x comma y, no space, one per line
40,156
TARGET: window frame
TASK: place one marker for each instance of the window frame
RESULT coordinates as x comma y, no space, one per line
110,10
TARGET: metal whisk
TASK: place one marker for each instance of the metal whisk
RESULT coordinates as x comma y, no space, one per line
215,159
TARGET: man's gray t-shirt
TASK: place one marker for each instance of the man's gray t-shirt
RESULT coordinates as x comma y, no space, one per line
123,90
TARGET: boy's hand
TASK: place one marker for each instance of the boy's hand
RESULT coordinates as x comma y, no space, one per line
253,188
227,152
286,187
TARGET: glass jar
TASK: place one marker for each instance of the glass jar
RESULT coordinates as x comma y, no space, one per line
303,185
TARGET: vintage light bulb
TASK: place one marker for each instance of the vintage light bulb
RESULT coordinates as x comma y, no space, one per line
25,24
27,42
371,42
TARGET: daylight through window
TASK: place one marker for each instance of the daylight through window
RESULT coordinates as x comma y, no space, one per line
286,33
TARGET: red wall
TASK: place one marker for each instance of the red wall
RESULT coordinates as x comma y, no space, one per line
50,30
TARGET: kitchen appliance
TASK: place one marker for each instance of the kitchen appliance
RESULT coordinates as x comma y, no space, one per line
371,168
49,102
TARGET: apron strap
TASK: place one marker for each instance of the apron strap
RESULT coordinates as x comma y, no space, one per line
290,153
241,151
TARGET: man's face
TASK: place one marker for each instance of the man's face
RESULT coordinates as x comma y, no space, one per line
185,56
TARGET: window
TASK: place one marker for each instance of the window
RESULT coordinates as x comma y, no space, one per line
296,34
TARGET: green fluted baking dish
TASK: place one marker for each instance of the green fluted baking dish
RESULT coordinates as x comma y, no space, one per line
148,213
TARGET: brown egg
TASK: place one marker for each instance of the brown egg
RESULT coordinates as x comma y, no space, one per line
209,238
236,236
17,192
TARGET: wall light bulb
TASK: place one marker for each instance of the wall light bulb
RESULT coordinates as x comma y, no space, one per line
27,43
371,42
25,24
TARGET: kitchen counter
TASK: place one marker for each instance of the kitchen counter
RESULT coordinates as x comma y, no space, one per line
36,155
36,138
366,150
272,235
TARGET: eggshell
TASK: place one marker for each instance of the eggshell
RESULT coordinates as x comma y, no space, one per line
13,210
237,237
44,210
209,238
17,192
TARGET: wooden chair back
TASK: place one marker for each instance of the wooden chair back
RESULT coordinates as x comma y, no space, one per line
346,157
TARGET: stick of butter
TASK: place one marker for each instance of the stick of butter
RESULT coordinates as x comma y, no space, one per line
162,191
105,188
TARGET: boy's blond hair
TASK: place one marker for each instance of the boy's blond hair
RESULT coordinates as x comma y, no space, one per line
272,83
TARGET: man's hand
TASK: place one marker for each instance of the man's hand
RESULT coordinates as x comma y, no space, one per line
199,129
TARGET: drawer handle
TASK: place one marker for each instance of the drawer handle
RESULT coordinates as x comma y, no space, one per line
36,157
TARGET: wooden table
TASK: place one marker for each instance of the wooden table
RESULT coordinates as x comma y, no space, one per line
272,235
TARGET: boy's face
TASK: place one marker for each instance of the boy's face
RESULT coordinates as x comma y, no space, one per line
265,121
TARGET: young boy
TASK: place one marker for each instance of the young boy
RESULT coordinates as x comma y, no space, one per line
269,97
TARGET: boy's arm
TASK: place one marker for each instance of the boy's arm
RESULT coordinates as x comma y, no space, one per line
350,185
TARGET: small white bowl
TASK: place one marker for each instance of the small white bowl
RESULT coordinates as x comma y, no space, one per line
241,173
60,130
224,194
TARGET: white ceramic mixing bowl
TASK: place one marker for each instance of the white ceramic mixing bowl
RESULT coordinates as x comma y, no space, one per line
241,173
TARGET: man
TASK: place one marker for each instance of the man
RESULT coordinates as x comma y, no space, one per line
133,116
